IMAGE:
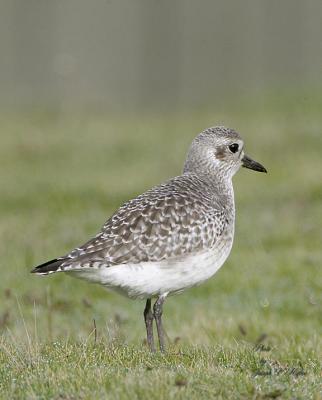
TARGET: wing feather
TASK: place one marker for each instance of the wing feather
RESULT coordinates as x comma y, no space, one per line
166,222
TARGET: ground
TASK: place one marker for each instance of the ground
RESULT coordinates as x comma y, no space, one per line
253,331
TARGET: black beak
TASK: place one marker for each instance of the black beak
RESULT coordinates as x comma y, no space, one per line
251,164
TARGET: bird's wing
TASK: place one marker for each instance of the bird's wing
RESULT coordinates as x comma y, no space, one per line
165,222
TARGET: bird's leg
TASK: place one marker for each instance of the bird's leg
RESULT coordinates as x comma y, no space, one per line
157,311
148,318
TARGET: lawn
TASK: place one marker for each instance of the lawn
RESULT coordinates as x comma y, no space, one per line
253,331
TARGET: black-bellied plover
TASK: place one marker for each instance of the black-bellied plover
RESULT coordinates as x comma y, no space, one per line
172,237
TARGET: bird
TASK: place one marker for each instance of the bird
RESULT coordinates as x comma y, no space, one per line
172,237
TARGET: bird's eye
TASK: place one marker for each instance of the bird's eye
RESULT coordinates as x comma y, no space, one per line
233,147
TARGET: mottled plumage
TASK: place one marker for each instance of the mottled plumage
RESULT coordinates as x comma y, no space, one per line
172,237
168,221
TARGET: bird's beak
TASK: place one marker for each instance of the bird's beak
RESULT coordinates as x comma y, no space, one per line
247,162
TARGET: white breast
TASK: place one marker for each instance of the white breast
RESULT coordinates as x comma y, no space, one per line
150,279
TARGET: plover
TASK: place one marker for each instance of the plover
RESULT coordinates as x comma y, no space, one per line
170,238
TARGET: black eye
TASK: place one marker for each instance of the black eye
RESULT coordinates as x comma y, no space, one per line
233,147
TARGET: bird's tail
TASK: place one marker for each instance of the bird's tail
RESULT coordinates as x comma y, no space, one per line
48,267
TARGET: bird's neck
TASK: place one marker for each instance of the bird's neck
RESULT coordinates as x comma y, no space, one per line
220,187
224,186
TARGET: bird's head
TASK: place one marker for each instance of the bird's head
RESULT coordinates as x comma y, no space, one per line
219,150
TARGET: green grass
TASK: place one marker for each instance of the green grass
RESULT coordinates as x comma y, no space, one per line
253,331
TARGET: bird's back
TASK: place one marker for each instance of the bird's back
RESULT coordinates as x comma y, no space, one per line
181,217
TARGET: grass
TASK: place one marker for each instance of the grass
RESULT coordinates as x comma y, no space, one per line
253,331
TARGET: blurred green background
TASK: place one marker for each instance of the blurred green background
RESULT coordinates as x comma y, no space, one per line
99,101
171,54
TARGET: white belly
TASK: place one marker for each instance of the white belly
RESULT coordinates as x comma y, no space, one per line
150,279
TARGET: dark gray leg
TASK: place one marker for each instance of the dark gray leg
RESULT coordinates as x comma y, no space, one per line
157,311
148,318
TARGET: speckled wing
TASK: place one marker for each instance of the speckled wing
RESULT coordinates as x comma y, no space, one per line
166,222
